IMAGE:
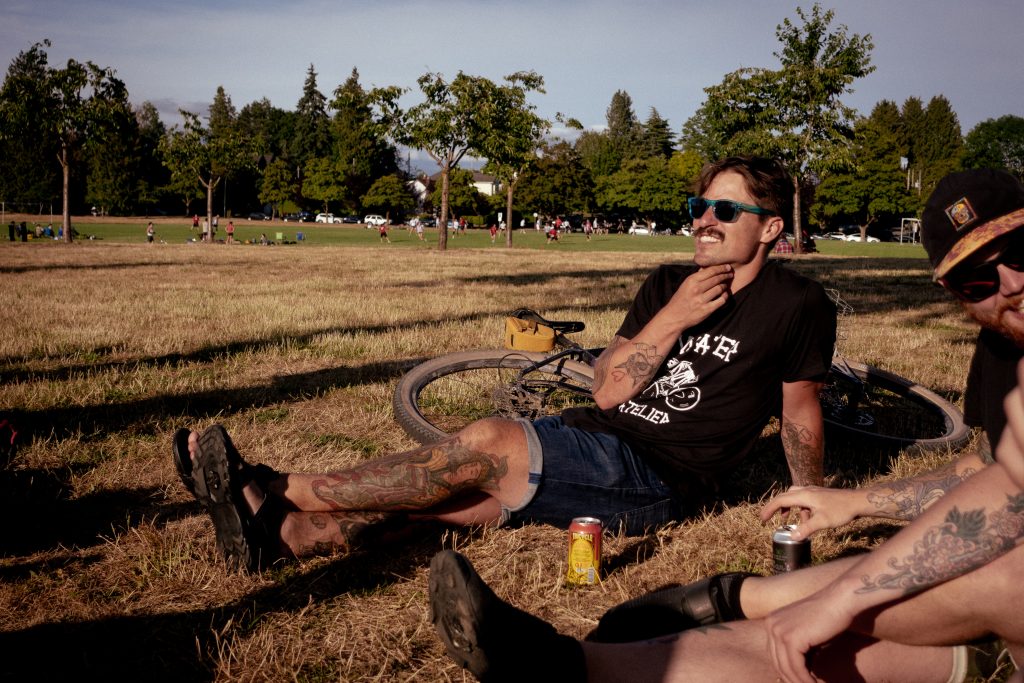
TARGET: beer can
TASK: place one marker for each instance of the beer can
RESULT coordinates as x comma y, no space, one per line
788,554
584,552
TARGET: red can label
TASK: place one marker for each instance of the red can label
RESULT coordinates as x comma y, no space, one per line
584,552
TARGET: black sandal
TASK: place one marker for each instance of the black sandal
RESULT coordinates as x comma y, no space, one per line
182,460
249,541
261,474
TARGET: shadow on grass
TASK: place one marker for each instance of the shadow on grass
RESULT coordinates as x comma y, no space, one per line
182,646
47,518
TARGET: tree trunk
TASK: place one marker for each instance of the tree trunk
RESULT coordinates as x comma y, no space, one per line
65,201
442,226
508,214
798,230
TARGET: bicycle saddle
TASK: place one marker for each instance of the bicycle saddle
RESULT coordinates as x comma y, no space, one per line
563,326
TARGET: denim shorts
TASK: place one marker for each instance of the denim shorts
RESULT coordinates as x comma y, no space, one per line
576,473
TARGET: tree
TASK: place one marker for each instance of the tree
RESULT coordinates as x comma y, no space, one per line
646,187
445,125
997,143
598,153
362,152
322,182
941,144
27,143
114,160
794,113
463,197
624,129
558,183
656,137
312,125
387,194
197,154
511,133
153,176
873,184
278,184
72,103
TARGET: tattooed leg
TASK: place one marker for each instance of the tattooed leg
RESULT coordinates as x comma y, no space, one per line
489,456
325,533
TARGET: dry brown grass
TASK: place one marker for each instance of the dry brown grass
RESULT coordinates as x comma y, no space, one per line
107,564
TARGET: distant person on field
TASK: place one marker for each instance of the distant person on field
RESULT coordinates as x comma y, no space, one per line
783,246
383,228
231,231
494,232
12,228
150,232
705,356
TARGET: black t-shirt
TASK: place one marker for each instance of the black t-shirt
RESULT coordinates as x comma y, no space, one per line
721,383
993,375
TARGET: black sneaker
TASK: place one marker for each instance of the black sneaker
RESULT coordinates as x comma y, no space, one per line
492,639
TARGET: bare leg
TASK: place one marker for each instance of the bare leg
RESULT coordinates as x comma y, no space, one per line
497,641
738,651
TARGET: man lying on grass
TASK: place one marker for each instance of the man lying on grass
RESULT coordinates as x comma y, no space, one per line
706,354
952,576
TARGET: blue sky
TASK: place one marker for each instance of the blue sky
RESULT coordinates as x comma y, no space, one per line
663,53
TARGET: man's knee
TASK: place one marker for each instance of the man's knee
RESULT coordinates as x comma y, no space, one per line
495,435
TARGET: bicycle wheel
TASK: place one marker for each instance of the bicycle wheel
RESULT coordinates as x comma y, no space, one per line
441,396
864,401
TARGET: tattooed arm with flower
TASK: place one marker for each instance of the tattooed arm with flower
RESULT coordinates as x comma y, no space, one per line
971,527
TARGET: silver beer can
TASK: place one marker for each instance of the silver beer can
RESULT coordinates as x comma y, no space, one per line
788,554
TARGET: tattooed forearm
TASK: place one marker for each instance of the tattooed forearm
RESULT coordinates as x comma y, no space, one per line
962,543
804,454
413,480
603,361
640,366
908,498
985,449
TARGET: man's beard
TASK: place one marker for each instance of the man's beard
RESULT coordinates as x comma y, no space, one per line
994,321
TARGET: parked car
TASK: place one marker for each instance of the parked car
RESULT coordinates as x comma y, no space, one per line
375,220
856,238
638,229
290,217
429,222
327,218
351,219
258,216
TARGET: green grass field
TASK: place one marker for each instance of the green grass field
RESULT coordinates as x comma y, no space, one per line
180,231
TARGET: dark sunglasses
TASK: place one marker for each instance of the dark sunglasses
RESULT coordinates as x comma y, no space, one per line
725,210
978,282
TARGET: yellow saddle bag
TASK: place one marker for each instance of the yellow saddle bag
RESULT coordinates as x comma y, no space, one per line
527,335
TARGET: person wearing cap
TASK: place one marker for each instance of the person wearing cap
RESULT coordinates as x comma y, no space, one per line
705,356
912,609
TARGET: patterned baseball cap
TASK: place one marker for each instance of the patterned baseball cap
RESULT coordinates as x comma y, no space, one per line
966,211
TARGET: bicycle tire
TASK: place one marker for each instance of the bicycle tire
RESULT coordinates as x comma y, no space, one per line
442,395
901,412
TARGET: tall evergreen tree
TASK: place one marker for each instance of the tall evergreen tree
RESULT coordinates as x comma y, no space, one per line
941,145
657,139
362,153
312,132
153,175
